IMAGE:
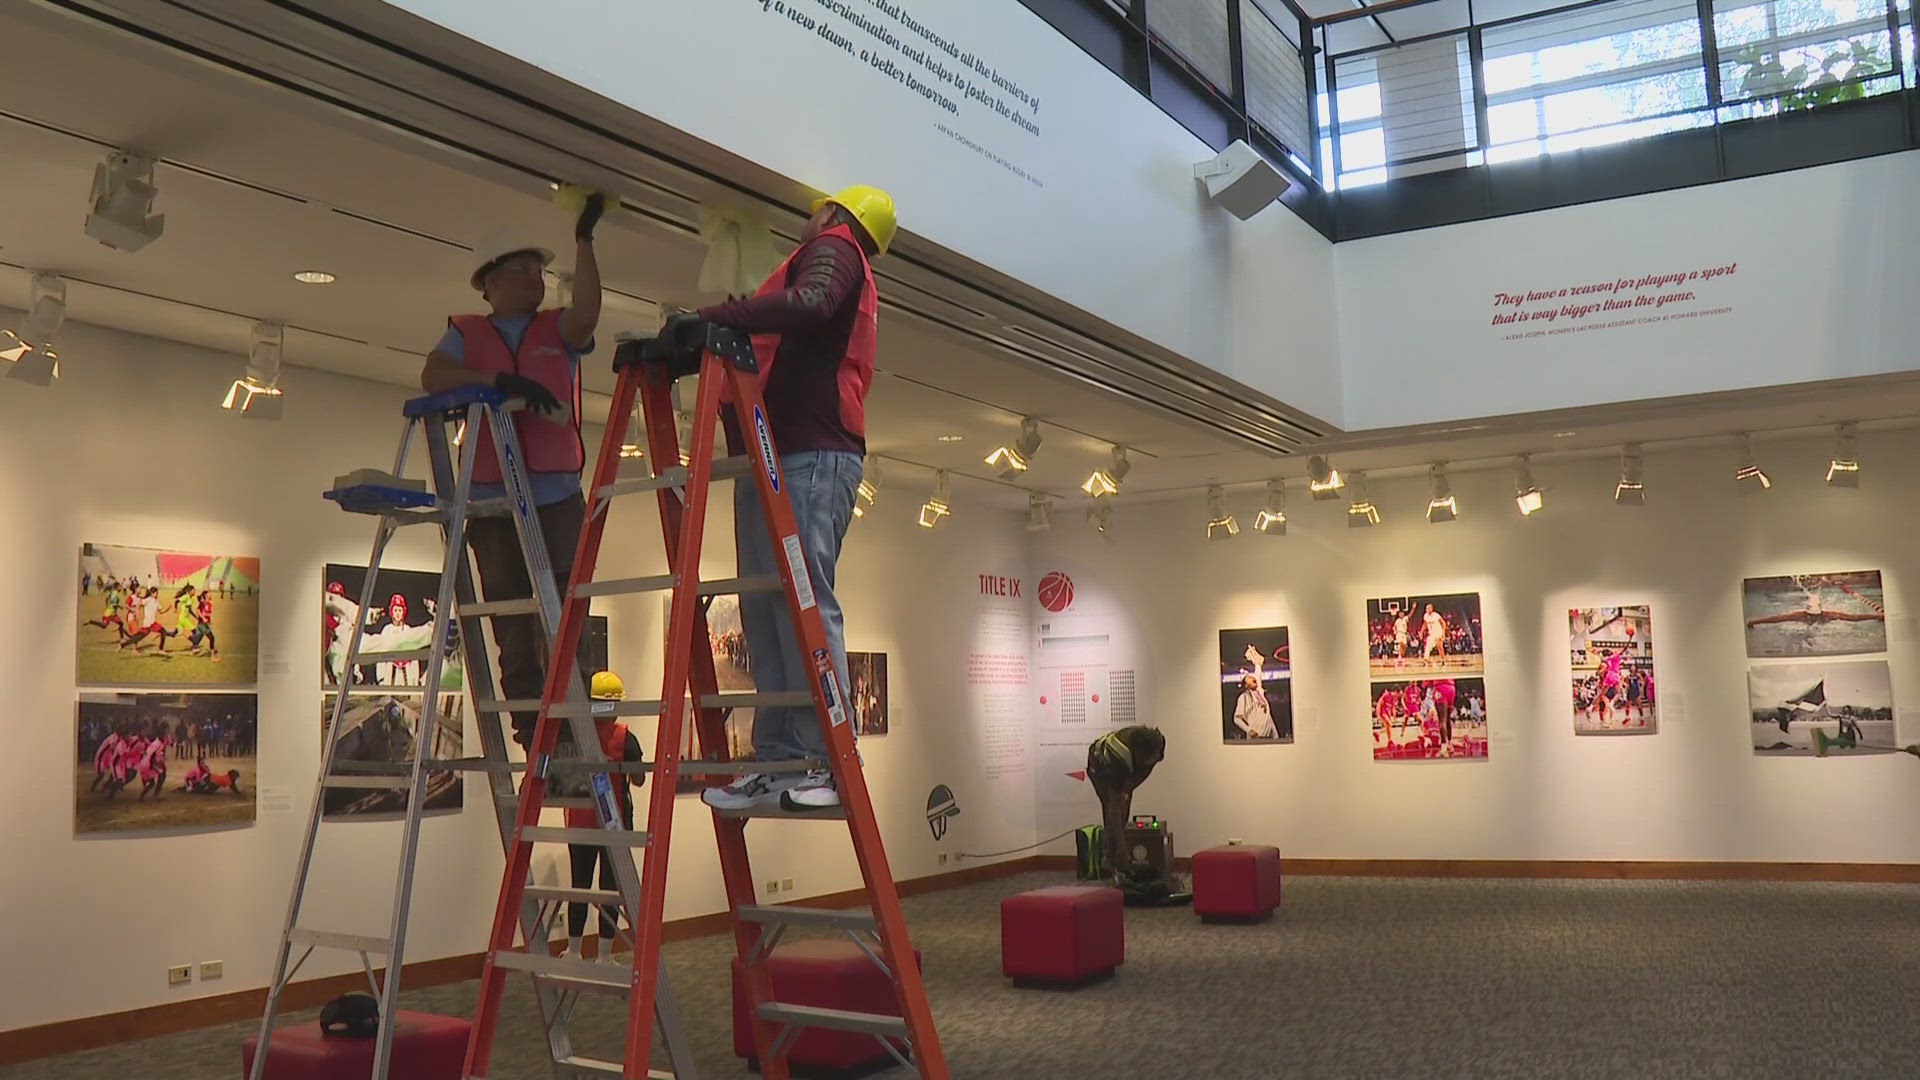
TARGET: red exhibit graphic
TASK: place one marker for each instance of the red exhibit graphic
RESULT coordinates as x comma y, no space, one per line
1056,592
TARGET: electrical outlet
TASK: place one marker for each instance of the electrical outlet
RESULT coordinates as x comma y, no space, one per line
212,969
180,976
773,887
786,885
943,858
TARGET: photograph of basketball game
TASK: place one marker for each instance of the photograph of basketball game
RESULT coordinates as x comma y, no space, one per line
728,642
1256,686
400,618
867,692
1836,708
1429,718
381,729
1815,614
1424,635
167,618
164,761
1613,688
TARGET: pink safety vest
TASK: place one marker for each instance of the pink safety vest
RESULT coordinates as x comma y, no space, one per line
550,445
856,368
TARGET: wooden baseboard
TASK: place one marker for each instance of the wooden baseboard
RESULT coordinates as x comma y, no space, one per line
1628,870
86,1033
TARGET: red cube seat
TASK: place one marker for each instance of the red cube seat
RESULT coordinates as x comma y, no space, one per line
1237,881
425,1047
1062,936
828,973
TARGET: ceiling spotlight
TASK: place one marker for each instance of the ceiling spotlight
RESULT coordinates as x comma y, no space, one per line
683,430
1011,461
30,351
314,277
951,438
1526,493
1100,514
257,395
936,509
1442,505
1039,512
460,432
1220,524
1361,513
1749,476
630,451
1844,469
1273,519
1323,480
123,194
1632,488
1107,481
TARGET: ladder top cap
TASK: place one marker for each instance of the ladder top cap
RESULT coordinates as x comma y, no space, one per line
458,398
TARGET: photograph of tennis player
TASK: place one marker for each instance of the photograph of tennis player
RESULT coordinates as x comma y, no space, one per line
381,730
400,620
164,761
1612,651
167,618
1430,718
1815,614
1256,686
1424,635
1821,709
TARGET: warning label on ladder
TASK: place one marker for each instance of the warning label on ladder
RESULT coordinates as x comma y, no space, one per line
829,686
797,563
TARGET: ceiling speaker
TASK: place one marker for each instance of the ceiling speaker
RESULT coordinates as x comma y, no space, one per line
1241,180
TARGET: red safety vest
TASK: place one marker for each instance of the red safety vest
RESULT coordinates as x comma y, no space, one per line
613,742
550,445
856,367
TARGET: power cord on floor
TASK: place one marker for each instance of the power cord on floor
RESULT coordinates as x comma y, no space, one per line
1014,851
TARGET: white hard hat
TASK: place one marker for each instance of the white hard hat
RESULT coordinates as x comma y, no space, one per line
500,244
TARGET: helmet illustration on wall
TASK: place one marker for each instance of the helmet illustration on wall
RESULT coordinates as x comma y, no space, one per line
940,807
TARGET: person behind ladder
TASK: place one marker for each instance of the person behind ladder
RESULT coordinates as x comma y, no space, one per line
814,325
1117,763
533,355
618,744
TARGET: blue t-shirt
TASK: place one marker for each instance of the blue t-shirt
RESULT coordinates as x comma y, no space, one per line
548,487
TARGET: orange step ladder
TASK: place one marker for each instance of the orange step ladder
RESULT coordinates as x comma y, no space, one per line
647,370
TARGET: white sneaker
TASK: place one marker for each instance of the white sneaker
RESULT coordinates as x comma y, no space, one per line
816,791
750,791
606,957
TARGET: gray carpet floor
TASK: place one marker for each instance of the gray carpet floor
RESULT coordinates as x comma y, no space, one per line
1354,978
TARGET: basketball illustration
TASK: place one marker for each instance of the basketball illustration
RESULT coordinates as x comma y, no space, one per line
1056,592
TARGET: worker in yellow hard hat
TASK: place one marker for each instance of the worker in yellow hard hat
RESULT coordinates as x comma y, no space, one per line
618,744
815,330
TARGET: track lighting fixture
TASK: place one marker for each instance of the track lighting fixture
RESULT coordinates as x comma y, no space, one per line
1010,461
257,394
1273,519
1361,513
1221,525
1526,493
123,195
938,508
1749,476
30,351
1039,512
1323,480
1844,469
1632,488
1107,481
1441,505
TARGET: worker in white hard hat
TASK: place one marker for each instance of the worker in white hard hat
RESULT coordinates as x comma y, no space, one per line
815,328
532,354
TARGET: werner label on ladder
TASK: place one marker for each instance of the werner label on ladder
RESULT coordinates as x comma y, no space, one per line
792,497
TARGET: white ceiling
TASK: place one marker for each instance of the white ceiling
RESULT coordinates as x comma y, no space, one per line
258,182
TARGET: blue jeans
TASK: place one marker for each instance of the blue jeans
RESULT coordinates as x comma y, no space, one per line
821,485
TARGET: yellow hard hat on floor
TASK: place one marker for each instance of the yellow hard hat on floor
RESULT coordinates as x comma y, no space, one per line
607,687
871,207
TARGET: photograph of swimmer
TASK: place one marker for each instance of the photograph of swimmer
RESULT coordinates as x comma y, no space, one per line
1815,614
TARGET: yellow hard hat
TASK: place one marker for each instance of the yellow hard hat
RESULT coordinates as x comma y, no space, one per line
871,207
607,687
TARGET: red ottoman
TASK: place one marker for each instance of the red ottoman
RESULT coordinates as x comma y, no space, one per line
831,973
425,1047
1063,936
1238,881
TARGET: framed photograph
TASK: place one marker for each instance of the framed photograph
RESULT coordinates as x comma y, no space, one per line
1256,686
383,728
1410,636
867,692
1430,718
164,761
1613,684
401,618
1815,614
1845,704
167,618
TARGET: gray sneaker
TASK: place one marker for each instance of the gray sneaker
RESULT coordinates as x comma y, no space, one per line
750,791
815,791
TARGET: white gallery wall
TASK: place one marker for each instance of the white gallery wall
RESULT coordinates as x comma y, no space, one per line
129,448
1694,791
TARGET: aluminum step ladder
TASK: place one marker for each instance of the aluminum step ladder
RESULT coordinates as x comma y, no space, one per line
723,359
397,503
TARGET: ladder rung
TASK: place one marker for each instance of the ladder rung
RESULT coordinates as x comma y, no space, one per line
813,1016
558,834
389,657
732,585
364,780
414,517
489,507
597,1067
495,705
597,765
852,919
474,764
551,802
488,608
778,699
742,768
593,710
674,477
325,939
829,813
574,896
622,586
590,973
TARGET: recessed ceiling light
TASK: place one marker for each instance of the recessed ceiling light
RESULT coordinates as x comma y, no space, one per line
314,277
951,438
1565,434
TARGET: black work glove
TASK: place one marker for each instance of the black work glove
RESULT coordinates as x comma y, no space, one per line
537,397
596,205
682,329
